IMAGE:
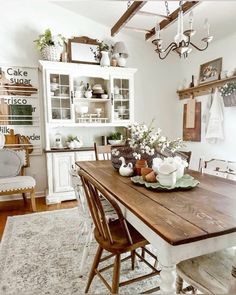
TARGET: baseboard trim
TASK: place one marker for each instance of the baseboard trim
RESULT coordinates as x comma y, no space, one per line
19,197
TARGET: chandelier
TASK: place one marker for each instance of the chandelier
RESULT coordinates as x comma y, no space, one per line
182,42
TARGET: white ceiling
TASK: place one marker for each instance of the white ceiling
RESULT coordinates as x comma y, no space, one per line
221,15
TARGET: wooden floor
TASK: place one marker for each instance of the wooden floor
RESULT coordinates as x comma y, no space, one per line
11,208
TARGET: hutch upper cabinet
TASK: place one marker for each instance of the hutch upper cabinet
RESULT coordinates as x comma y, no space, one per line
80,95
88,95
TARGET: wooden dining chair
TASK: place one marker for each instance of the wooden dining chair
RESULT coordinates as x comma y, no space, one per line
102,152
214,167
214,273
117,237
231,170
187,155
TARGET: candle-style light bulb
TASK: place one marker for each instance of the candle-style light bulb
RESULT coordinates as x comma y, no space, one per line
191,20
157,30
207,26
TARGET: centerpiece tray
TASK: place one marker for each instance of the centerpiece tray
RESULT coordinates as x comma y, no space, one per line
184,183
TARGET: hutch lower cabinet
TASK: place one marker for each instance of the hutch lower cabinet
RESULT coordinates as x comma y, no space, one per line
77,96
59,165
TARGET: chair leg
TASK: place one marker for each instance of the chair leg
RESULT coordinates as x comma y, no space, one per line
24,197
133,259
116,275
94,267
143,252
179,284
32,197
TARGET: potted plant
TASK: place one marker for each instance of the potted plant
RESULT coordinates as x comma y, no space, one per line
50,46
115,138
73,142
102,54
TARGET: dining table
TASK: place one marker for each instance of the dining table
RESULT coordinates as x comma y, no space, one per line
179,224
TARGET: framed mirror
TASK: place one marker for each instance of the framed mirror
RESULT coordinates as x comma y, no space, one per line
80,50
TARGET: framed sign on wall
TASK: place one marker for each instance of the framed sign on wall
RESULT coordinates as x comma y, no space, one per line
192,130
19,103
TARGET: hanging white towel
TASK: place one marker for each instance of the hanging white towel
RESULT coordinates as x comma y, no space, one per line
215,128
206,115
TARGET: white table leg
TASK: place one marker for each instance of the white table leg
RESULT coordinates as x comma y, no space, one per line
168,276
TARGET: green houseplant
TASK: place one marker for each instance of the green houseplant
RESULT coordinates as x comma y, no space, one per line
73,142
50,46
101,53
115,138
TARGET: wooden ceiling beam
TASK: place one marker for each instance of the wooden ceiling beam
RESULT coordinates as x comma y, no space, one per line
130,12
152,14
140,30
172,18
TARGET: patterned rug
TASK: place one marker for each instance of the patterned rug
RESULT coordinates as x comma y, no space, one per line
40,254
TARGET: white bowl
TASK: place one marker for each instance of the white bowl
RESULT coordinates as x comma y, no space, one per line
82,109
104,96
115,142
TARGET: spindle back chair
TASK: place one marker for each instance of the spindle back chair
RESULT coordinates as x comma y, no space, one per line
116,236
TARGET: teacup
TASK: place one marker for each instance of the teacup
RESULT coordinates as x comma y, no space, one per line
167,175
167,180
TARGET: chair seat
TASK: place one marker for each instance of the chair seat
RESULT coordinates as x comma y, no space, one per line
8,184
209,273
121,244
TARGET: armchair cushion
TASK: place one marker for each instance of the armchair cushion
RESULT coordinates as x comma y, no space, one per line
10,163
16,183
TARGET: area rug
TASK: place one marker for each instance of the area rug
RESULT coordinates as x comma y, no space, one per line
40,253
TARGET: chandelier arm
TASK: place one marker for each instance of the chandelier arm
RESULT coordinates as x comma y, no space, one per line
167,53
200,49
189,41
172,44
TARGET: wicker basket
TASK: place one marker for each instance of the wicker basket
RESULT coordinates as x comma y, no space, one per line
52,53
127,153
230,101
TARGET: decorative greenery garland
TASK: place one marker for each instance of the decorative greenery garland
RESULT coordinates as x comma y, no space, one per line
228,89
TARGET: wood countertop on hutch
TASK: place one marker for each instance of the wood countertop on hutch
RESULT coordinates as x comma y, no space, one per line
67,150
204,88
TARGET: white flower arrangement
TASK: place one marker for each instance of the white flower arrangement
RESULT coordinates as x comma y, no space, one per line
146,141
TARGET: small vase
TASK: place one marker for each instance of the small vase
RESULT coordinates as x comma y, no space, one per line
105,60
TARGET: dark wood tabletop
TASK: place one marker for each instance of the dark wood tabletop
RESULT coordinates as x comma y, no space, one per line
179,217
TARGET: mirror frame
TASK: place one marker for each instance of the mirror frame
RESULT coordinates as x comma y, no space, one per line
85,41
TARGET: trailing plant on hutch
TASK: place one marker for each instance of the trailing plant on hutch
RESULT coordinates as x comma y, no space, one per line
50,46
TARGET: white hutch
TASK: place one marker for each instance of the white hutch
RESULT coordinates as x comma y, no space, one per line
66,107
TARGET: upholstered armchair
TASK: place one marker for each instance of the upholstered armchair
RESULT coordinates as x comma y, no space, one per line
12,174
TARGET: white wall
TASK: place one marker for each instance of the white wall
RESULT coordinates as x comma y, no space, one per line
22,22
225,48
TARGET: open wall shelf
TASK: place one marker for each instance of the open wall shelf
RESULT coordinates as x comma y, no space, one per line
203,89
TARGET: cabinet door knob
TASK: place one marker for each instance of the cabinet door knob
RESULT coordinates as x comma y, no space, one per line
72,97
112,98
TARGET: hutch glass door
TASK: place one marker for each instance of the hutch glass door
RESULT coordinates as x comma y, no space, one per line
61,97
121,94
